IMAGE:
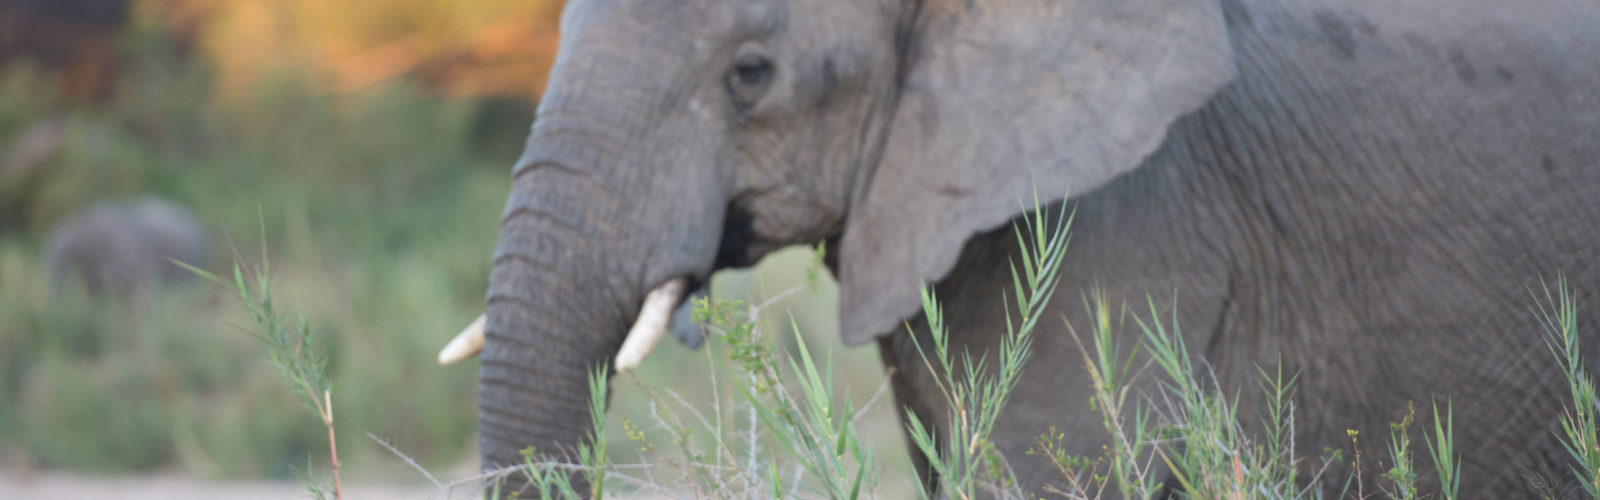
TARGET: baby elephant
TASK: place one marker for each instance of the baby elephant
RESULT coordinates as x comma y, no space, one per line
121,248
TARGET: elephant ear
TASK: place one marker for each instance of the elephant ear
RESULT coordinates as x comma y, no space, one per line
1005,98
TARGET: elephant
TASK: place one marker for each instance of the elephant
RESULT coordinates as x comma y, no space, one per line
1360,192
122,248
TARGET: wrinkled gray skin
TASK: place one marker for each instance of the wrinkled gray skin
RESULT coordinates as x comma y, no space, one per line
121,248
1362,189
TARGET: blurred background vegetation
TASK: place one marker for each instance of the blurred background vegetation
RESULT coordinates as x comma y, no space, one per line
365,146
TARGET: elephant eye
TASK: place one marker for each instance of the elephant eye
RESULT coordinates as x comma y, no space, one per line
749,78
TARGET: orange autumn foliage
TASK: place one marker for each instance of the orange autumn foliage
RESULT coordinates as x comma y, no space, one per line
499,48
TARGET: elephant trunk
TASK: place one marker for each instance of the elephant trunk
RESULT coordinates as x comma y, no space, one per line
586,233
609,201
541,347
558,303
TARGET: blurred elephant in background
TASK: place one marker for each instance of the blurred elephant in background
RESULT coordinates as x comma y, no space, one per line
122,248
1359,190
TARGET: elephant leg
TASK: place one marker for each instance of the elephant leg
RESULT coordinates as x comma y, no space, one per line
901,361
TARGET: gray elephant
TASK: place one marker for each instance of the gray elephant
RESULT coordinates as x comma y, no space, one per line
1360,190
122,248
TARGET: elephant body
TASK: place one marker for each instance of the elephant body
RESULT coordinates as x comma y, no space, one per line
1362,192
1376,224
123,248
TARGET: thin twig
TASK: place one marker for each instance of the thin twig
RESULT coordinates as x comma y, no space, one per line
406,458
883,387
716,404
755,312
324,409
722,451
754,447
794,483
686,405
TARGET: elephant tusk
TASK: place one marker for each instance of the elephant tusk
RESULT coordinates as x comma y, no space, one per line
465,345
651,325
642,338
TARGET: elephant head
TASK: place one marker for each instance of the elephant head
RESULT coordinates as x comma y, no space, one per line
678,137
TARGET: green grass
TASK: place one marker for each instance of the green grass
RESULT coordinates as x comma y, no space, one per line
1558,313
1196,431
779,426
967,460
783,429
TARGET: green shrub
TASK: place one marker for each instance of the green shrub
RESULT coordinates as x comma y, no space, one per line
99,416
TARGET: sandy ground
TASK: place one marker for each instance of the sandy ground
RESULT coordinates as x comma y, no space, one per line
61,486
68,486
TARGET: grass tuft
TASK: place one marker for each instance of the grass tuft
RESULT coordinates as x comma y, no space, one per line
1195,431
961,454
1441,448
1558,313
289,350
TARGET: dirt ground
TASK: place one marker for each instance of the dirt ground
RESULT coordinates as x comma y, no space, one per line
64,486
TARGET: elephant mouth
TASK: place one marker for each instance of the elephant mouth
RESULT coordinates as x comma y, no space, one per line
669,308
738,236
666,306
